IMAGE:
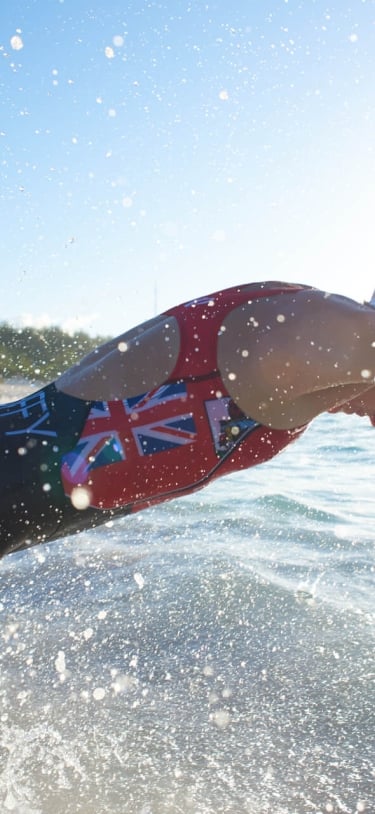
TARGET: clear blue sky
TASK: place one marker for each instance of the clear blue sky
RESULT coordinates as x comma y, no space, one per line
155,151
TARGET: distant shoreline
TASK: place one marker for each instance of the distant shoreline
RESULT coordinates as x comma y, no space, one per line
13,389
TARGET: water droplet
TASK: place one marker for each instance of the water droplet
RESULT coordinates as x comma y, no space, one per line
139,580
98,693
221,718
60,665
16,42
80,497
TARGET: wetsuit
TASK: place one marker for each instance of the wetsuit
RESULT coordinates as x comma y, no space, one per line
35,432
68,464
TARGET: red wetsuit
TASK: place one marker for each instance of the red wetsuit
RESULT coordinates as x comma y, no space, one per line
181,435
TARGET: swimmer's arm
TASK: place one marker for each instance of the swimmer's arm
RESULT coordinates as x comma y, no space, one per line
287,359
130,364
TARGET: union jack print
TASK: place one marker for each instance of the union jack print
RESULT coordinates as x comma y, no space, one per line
99,409
91,452
163,395
159,436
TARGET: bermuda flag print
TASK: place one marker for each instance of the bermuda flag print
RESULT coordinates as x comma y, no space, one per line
123,432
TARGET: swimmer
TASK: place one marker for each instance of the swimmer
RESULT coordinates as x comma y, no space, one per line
210,387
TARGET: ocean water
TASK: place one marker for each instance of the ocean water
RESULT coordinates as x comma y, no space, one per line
214,655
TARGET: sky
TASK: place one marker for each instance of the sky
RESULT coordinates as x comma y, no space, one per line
152,152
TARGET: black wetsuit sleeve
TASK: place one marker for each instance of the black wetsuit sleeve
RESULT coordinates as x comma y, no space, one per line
35,432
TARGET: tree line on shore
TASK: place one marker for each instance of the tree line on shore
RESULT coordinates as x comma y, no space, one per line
41,354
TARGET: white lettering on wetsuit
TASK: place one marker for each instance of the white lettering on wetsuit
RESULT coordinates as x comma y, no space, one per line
31,413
